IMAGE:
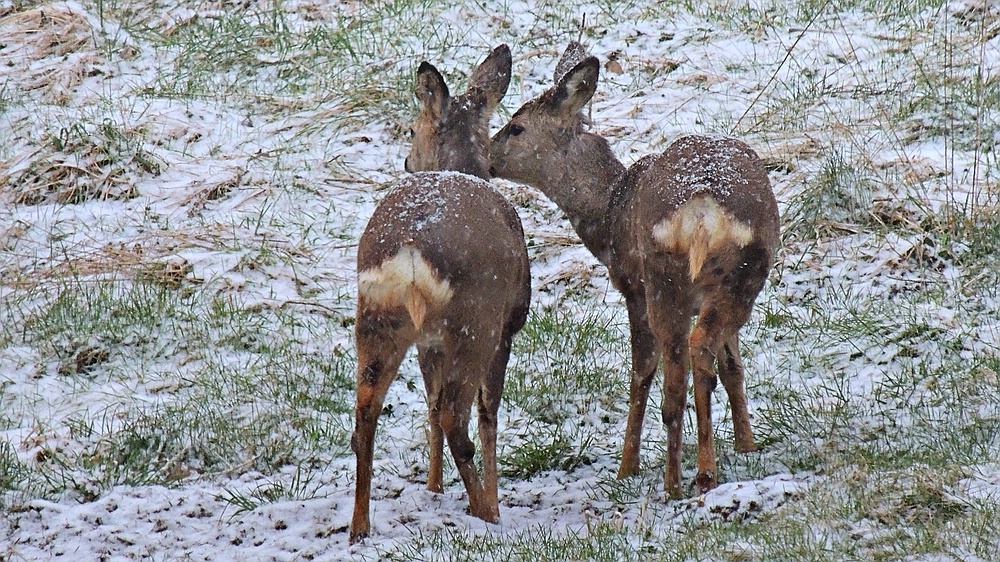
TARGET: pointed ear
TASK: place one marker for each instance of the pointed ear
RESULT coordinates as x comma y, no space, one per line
577,86
431,90
574,53
493,76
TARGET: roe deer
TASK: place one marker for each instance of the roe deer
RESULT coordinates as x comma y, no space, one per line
442,264
691,231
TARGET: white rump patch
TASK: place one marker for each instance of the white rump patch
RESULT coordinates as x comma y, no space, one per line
700,228
407,280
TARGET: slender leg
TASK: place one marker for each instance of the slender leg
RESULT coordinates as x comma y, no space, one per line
466,374
703,367
737,301
488,437
379,356
489,406
432,368
670,322
731,373
718,316
675,382
644,361
455,424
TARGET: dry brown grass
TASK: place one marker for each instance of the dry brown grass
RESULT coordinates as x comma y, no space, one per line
79,164
51,49
151,256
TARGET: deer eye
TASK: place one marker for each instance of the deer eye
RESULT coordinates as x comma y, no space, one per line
408,133
515,130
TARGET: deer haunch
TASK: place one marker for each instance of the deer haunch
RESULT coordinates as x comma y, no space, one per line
700,228
406,280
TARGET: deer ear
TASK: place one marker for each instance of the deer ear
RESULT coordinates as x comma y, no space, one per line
493,76
431,90
577,86
574,53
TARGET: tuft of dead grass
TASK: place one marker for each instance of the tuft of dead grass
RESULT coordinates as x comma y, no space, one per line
151,257
80,163
49,49
58,177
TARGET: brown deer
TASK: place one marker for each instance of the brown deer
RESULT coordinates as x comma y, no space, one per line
442,264
691,231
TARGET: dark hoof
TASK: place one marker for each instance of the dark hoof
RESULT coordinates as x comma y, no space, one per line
705,481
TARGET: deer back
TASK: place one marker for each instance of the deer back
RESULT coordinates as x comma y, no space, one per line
440,238
449,236
701,195
705,202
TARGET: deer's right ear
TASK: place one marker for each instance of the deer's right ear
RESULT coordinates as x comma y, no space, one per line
431,90
577,86
493,76
574,53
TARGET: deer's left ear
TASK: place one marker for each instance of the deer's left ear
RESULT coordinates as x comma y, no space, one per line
431,91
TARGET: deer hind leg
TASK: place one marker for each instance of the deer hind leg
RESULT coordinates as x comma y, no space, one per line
671,323
731,373
432,367
644,361
718,320
455,423
379,356
467,372
743,287
675,382
489,406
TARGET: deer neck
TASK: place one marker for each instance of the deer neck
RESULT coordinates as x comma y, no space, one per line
466,157
583,190
467,161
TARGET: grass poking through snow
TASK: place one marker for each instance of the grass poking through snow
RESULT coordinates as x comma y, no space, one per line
182,187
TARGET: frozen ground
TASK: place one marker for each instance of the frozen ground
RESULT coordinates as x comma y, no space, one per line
240,172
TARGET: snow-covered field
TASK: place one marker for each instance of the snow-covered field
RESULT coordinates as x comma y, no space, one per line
182,185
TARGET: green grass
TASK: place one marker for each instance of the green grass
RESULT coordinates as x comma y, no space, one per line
871,510
243,394
840,193
878,380
564,367
277,57
539,447
300,486
560,356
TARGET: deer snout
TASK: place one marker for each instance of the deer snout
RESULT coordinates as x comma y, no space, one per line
406,165
494,156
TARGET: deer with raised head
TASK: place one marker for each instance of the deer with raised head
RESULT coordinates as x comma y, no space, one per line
689,232
442,265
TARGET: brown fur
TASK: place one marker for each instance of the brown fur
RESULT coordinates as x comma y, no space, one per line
452,133
691,231
442,265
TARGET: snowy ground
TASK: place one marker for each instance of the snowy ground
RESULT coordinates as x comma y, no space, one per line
228,157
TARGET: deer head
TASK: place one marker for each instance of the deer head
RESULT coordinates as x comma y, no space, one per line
452,133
